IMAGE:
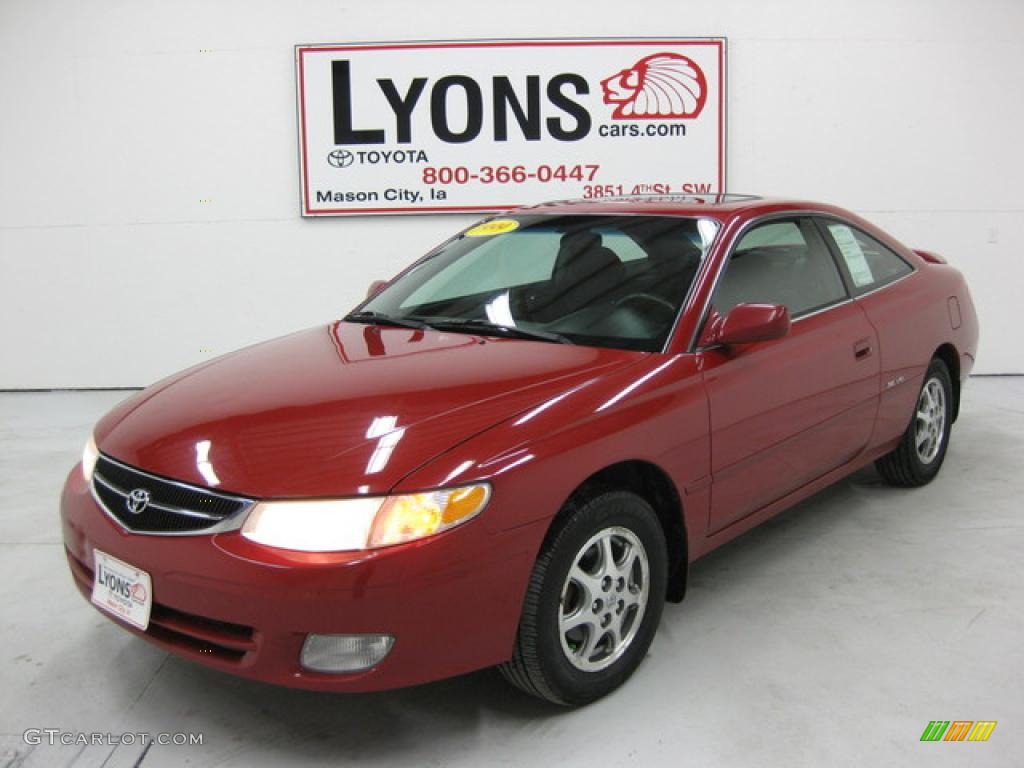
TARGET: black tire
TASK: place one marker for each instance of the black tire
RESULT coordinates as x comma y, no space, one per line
546,662
907,466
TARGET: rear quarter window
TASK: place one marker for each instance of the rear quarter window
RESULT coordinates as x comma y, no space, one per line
868,263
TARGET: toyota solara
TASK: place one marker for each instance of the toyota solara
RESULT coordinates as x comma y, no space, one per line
509,454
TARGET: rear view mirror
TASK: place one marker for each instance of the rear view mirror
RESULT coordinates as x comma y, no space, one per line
748,323
375,287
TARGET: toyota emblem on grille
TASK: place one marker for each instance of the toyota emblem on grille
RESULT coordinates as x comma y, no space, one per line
137,501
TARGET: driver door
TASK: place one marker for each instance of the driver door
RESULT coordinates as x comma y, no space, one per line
787,411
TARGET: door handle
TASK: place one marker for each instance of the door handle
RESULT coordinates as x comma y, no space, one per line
862,349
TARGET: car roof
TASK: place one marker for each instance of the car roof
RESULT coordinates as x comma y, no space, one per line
715,206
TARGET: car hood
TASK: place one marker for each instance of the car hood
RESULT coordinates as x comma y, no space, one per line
338,410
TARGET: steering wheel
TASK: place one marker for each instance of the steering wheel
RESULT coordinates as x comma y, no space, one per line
649,298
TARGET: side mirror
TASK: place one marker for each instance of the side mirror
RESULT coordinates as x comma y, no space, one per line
375,288
748,323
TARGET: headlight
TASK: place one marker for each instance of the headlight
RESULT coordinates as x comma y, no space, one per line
337,525
89,456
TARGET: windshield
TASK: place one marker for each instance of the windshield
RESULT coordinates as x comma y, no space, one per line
610,281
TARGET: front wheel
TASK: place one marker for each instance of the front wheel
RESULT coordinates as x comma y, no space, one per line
919,456
594,600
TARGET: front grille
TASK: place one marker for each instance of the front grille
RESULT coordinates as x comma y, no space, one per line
189,632
170,507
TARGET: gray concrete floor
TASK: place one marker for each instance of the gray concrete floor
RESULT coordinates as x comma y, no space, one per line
828,637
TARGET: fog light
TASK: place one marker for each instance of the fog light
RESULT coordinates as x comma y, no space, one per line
344,653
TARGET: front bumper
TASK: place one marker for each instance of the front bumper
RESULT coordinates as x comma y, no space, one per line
451,602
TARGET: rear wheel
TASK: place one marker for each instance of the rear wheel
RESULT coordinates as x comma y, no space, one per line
594,601
919,456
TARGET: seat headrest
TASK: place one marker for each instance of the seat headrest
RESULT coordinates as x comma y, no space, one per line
596,261
577,242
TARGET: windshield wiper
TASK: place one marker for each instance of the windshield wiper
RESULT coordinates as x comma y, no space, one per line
511,331
379,318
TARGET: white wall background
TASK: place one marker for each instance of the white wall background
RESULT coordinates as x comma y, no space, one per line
114,125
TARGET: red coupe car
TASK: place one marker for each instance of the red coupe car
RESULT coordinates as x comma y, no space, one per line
510,453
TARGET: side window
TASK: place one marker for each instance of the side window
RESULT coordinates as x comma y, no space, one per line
869,263
782,262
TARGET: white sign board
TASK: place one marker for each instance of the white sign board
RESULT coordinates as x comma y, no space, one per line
488,125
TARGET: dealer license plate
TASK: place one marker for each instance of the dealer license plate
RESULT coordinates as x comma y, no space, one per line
122,589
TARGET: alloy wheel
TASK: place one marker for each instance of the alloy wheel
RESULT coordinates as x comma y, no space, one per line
604,599
930,420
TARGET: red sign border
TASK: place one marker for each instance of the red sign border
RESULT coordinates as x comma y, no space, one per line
300,50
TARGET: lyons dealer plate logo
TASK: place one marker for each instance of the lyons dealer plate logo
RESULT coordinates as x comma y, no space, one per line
137,501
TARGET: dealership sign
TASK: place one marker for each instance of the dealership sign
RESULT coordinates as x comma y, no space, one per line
489,125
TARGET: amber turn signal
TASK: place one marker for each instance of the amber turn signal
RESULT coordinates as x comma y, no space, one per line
414,516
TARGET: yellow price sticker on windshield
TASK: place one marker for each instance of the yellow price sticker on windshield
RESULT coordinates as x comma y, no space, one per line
493,227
